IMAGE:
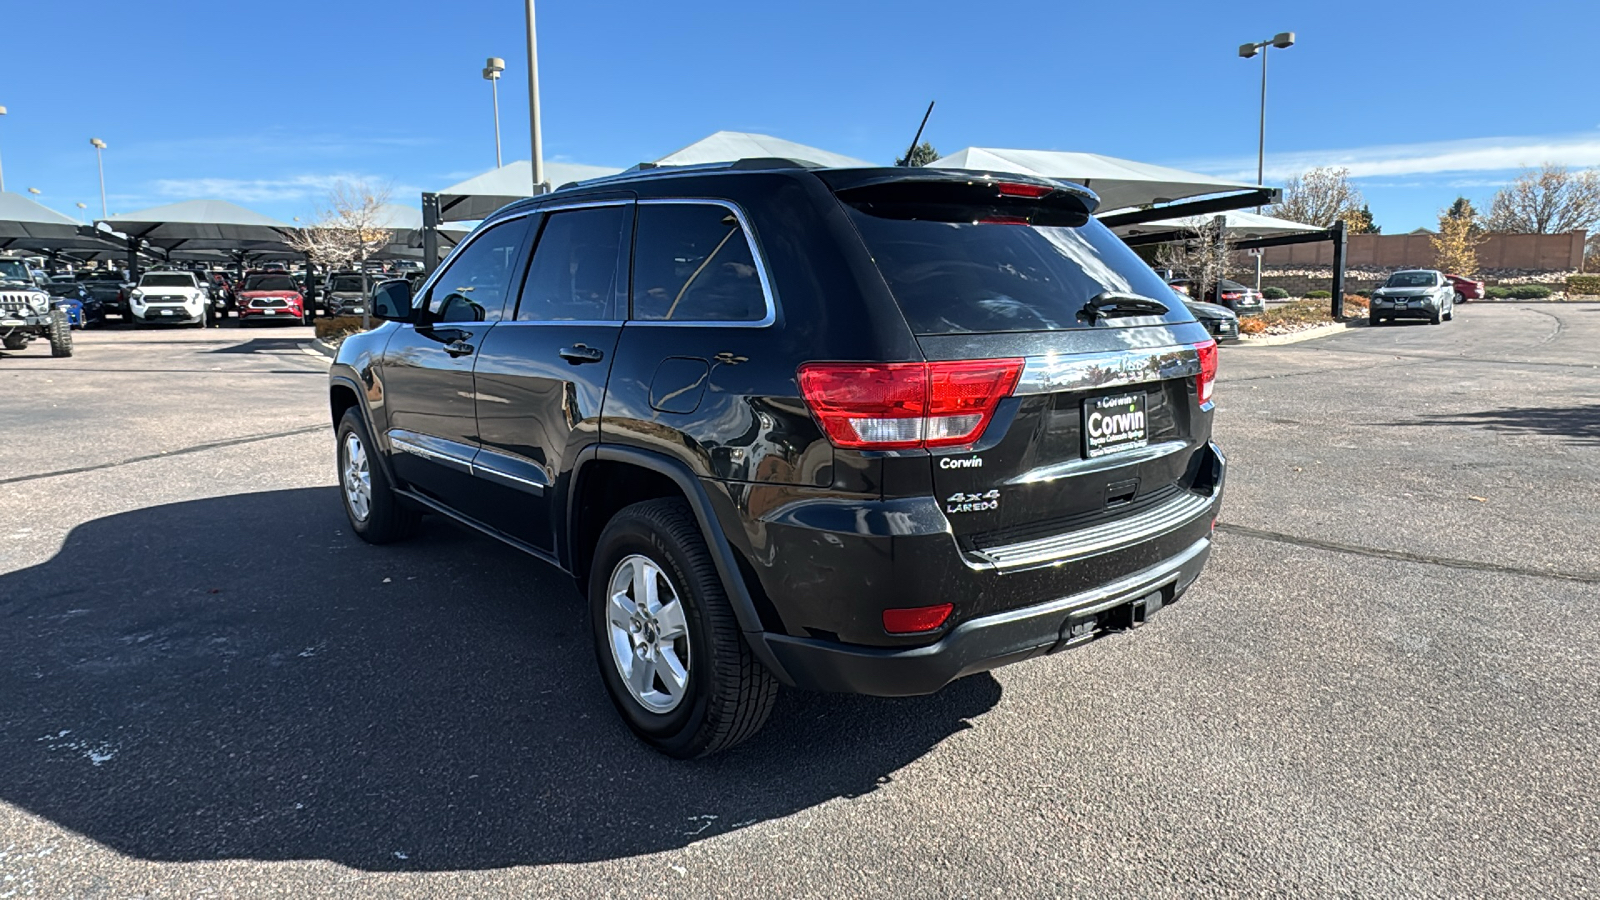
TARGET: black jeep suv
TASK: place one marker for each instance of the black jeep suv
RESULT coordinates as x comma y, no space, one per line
861,430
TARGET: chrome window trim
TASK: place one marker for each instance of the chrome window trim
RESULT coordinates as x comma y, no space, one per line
449,259
755,254
1053,372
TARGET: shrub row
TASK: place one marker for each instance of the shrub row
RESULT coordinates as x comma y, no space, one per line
1583,284
1274,293
1519,292
1319,295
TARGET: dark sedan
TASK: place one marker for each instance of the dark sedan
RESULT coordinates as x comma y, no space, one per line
1243,300
1222,322
91,310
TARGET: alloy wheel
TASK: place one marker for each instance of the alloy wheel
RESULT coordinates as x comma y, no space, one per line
649,634
356,477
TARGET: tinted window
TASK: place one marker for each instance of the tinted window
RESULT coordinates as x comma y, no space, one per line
957,277
347,284
692,263
270,283
169,280
473,288
573,276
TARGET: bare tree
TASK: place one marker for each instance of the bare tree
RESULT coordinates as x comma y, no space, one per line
345,232
1204,257
1321,197
1551,199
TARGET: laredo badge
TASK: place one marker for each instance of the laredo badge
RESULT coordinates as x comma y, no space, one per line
960,502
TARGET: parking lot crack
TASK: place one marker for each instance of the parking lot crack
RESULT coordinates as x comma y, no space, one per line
1403,556
195,448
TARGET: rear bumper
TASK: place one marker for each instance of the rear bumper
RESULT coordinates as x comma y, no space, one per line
989,642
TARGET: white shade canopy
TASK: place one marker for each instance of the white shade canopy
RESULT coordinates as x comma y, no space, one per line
203,225
24,217
1237,223
1120,183
480,195
728,146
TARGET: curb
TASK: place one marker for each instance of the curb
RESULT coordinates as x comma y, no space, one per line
316,347
1309,334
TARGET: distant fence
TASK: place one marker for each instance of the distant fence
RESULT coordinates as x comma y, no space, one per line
1541,252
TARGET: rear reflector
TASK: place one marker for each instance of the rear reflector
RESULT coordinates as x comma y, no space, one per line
916,619
1032,191
1206,381
902,406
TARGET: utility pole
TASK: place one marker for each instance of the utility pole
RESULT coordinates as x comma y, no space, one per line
100,146
533,105
2,169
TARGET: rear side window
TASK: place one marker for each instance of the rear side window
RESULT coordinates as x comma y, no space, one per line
574,273
963,277
692,263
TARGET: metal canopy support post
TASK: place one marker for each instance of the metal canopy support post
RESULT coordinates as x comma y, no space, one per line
133,258
430,232
311,289
1340,233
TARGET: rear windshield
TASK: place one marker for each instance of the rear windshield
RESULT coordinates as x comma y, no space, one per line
167,281
960,278
1410,279
270,283
347,284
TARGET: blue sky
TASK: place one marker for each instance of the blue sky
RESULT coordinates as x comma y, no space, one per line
268,105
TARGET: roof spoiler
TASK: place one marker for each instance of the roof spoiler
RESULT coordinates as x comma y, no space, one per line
959,195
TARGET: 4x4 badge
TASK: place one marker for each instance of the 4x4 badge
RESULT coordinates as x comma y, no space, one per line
961,502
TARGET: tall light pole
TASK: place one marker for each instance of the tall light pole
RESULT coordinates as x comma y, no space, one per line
533,103
491,74
2,169
1282,40
81,207
99,158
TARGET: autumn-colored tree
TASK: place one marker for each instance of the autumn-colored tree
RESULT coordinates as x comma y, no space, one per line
1551,199
1463,209
1359,221
1455,247
1320,197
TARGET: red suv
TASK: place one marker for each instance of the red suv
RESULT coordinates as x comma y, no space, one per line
267,296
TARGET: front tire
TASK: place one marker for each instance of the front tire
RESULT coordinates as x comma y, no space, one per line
376,513
60,334
668,645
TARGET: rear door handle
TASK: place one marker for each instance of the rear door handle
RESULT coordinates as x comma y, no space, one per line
458,348
579,354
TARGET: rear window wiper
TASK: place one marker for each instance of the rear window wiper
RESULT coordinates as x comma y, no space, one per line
1115,304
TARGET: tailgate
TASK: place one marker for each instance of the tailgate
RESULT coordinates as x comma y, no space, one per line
1088,437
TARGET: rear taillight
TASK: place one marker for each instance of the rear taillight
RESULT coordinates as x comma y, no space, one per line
1207,380
1231,295
900,406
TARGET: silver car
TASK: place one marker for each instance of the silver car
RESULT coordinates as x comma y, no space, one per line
1414,294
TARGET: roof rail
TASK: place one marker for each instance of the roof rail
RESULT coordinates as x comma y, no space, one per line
650,169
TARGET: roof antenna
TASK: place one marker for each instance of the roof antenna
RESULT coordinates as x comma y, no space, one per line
916,140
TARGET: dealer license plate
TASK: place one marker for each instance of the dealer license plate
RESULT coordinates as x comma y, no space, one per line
168,312
1114,424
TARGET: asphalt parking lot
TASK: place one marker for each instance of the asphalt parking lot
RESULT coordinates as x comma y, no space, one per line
1384,684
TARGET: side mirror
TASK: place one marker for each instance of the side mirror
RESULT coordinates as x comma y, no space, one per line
391,301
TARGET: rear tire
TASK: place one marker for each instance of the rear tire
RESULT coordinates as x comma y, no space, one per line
719,694
376,513
60,334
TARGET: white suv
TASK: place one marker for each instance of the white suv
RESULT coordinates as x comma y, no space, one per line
169,297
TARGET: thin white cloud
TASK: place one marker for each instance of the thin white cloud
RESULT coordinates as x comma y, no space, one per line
266,190
1467,155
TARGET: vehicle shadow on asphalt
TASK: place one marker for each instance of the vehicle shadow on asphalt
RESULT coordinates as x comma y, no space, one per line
262,345
241,677
1577,424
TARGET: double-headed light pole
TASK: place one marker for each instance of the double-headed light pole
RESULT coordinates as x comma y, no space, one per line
1283,40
